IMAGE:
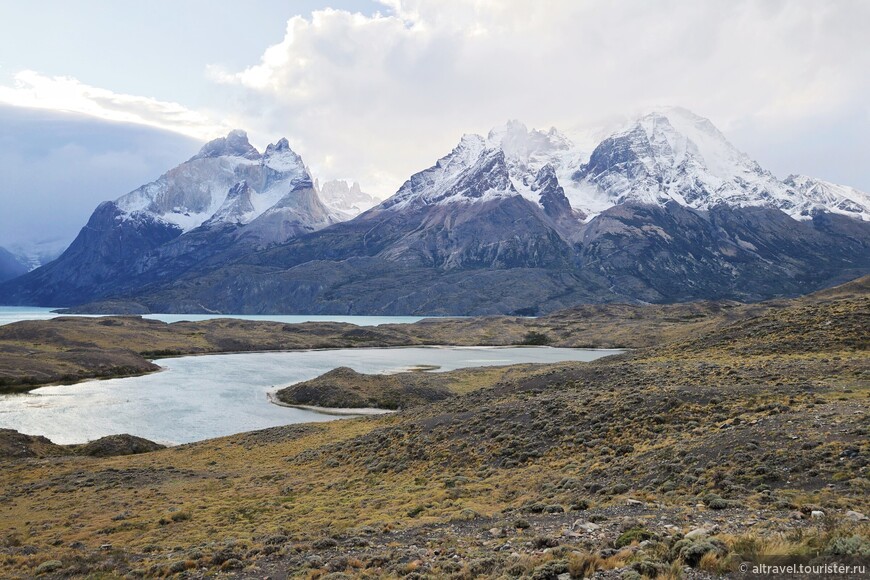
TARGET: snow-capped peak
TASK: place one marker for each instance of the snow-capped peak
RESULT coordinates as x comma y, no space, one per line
227,181
528,151
281,158
235,144
504,163
473,171
668,155
471,146
691,134
675,155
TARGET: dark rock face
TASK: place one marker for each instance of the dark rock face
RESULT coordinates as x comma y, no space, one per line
501,256
90,268
387,264
618,154
674,254
555,204
553,198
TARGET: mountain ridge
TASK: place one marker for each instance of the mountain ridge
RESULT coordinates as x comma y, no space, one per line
514,222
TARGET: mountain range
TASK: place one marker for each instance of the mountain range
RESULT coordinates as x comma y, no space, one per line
519,221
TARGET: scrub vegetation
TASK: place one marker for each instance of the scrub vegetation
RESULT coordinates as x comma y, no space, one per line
730,433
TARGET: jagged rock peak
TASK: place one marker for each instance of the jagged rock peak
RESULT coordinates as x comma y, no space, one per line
280,157
235,144
518,142
552,195
281,145
471,171
237,206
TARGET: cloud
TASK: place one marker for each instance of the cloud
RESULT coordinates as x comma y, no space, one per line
57,167
380,97
34,90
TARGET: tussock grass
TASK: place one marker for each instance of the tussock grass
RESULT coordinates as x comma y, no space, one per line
761,423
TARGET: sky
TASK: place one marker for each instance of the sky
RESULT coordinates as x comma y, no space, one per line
375,91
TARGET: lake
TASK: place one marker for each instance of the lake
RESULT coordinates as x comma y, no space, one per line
10,314
200,397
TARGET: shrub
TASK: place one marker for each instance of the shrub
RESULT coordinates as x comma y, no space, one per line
550,570
542,542
579,505
325,543
49,566
691,551
481,566
649,569
715,502
466,515
633,535
849,546
232,564
533,338
180,516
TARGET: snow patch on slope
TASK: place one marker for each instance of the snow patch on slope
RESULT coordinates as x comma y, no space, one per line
818,194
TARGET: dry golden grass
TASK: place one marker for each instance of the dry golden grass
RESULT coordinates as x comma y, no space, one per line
668,426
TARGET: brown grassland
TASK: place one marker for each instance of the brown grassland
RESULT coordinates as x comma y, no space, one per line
731,432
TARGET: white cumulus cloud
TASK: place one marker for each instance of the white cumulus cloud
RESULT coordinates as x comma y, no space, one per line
67,94
379,97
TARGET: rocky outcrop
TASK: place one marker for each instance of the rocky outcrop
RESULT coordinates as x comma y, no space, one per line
344,388
114,445
15,445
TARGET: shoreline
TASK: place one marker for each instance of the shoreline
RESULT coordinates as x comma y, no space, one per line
336,411
12,390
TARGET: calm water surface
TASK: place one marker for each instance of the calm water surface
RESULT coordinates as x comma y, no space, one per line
10,314
199,397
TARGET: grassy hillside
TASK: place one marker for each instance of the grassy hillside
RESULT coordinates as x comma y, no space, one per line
741,436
